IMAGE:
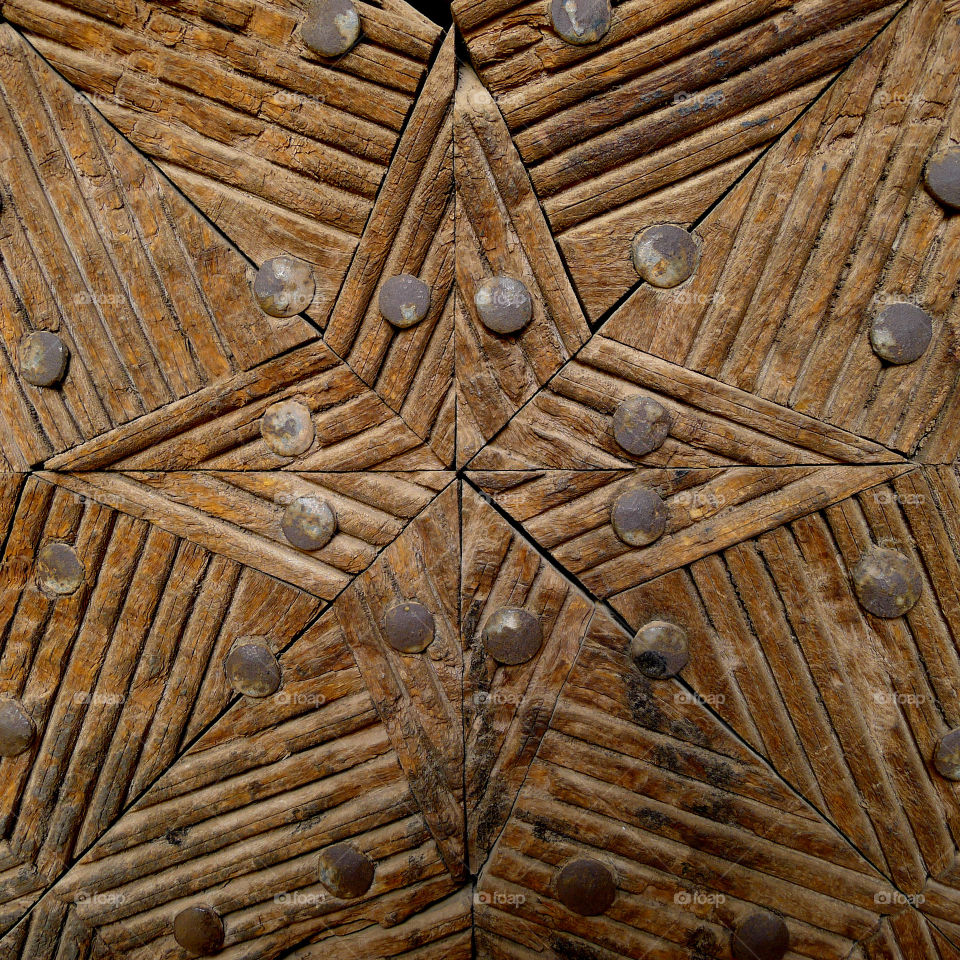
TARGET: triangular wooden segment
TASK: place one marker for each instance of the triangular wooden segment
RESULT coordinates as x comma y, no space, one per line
240,515
567,512
507,708
237,822
905,936
419,695
501,230
695,829
220,427
98,248
410,231
655,121
831,227
282,149
569,422
116,676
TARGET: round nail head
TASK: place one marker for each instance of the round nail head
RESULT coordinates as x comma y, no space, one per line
943,177
287,428
665,255
408,627
345,871
404,300
504,304
640,425
332,27
512,636
581,21
43,358
760,936
638,516
947,756
284,286
901,333
309,523
199,930
58,568
252,669
587,887
660,649
16,729
887,583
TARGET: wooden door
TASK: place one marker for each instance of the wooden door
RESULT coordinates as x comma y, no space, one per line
487,492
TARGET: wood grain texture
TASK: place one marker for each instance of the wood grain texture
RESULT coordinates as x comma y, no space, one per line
411,230
657,120
117,677
282,150
829,228
501,230
99,248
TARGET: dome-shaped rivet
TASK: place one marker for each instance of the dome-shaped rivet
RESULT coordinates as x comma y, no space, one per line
512,635
404,300
943,177
43,358
284,286
59,570
901,333
332,27
947,756
665,255
504,304
287,428
887,583
581,21
252,669
638,515
199,930
345,871
760,936
660,649
408,627
17,730
641,424
309,523
587,887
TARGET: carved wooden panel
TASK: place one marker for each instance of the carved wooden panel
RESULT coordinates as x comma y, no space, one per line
486,495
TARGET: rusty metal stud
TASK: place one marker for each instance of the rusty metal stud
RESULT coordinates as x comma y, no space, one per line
404,300
887,583
943,177
641,424
760,936
16,729
345,871
58,568
332,27
43,358
587,887
947,756
660,649
287,428
199,930
408,627
512,635
901,333
252,669
504,304
638,515
309,523
665,255
581,21
284,286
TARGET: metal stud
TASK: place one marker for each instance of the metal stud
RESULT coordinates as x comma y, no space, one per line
638,515
43,358
408,627
665,255
760,936
345,871
252,669
901,333
504,304
17,730
660,649
581,21
284,286
332,27
58,568
641,424
947,756
199,930
587,887
887,583
404,300
287,428
943,177
309,523
512,635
